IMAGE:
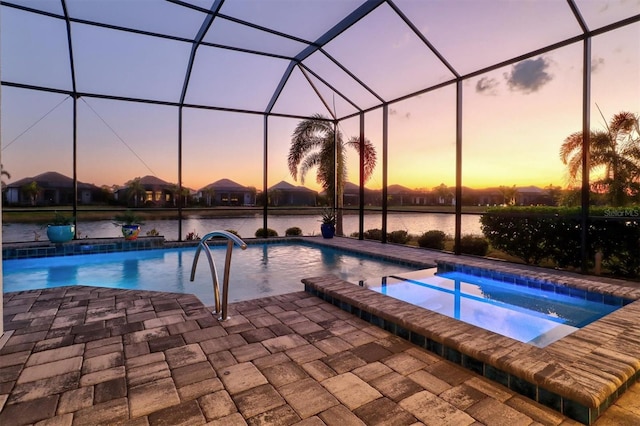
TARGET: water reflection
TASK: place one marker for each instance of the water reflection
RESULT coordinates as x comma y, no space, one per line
330,258
131,272
258,271
180,269
62,275
247,226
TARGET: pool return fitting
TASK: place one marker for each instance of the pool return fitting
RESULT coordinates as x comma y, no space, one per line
221,306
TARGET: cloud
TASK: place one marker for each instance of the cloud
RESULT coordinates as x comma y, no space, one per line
487,86
403,41
596,64
529,76
393,111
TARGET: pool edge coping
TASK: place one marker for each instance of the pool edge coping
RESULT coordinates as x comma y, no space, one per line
540,367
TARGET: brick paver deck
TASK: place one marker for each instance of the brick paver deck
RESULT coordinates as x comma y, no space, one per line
89,356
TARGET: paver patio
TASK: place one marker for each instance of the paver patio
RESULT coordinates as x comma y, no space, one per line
88,356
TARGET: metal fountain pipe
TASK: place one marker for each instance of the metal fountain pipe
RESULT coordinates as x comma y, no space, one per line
221,307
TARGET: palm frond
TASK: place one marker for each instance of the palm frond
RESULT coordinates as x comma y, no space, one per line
370,156
574,169
317,143
307,136
623,122
310,161
571,144
601,141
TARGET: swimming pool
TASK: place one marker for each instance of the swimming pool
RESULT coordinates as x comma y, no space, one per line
538,316
260,271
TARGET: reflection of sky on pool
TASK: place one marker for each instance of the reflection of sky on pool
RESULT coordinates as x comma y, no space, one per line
259,271
525,314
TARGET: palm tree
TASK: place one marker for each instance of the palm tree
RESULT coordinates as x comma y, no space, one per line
31,190
209,195
174,190
253,191
3,172
186,194
443,194
616,149
136,190
274,197
313,145
509,194
554,193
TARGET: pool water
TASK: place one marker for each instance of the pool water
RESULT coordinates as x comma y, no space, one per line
530,315
259,271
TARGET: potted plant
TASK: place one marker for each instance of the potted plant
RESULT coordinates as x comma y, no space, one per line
328,225
61,229
129,223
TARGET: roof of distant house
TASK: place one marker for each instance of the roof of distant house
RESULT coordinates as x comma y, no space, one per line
149,180
286,186
49,180
225,185
398,189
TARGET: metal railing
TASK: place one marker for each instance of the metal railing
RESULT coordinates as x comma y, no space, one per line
220,306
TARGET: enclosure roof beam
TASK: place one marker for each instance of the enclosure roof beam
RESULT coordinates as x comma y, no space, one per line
424,40
159,35
70,44
206,24
363,10
576,39
578,16
145,101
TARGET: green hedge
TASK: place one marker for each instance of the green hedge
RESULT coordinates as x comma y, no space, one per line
534,234
373,234
473,244
433,239
294,231
262,233
399,237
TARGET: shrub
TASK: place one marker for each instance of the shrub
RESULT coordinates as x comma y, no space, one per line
261,233
234,232
128,217
619,242
328,216
153,233
473,244
399,237
60,219
373,234
222,237
537,233
519,234
192,236
293,232
432,239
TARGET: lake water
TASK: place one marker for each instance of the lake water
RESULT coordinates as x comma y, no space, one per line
414,223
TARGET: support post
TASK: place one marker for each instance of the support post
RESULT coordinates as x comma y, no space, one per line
458,201
385,169
586,143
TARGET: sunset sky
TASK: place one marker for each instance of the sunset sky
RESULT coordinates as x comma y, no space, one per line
514,118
